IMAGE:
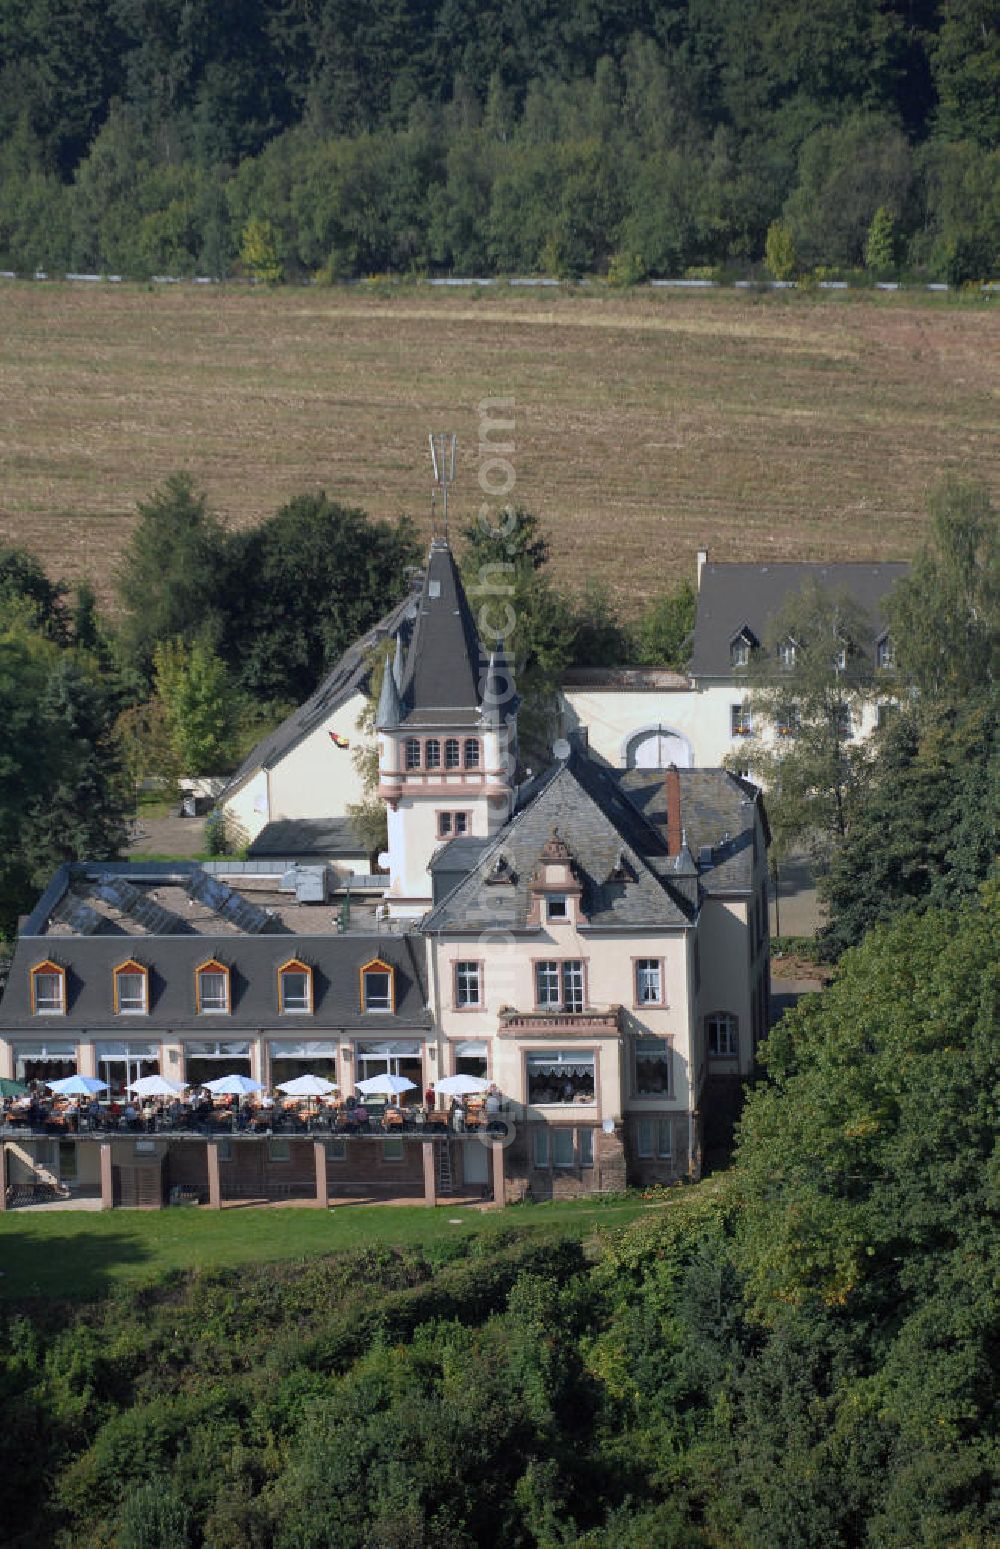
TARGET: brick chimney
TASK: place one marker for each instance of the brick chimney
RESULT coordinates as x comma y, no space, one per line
674,826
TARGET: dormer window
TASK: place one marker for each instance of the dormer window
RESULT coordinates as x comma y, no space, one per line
786,652
295,988
740,648
212,986
131,989
48,990
885,655
557,907
378,987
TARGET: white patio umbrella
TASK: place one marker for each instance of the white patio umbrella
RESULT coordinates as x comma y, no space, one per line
156,1086
233,1086
308,1086
77,1086
461,1086
390,1086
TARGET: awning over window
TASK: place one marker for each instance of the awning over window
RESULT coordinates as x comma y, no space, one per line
471,1049
45,1051
218,1051
302,1049
562,1062
385,1046
125,1051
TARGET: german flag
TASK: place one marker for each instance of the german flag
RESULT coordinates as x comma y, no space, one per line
339,742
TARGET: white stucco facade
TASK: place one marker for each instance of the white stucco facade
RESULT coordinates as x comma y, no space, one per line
313,779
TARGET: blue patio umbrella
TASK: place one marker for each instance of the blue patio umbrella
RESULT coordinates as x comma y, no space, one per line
233,1086
77,1086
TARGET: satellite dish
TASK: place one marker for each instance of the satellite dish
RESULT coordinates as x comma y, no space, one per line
383,860
561,749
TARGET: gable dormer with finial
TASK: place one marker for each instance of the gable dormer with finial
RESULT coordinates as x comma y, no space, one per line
554,888
446,727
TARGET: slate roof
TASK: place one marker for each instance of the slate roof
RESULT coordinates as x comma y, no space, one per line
314,837
253,959
731,597
445,665
717,811
348,677
600,825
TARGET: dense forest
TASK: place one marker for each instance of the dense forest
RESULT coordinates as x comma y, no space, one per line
282,138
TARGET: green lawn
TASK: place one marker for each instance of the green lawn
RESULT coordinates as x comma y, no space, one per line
79,1255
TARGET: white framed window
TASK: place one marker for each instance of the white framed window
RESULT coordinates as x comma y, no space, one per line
540,1145
585,1141
562,1148
885,655
648,981
450,823
131,989
723,1035
432,753
556,907
546,984
740,721
377,987
786,652
787,720
452,753
468,984
212,989
561,1076
739,651
48,990
471,752
572,985
652,1067
411,753
295,988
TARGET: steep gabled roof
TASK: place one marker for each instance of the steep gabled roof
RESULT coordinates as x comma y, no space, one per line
735,597
348,677
598,824
442,682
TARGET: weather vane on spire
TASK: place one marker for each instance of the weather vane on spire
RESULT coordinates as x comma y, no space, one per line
443,445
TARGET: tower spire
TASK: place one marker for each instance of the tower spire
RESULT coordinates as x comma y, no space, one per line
389,705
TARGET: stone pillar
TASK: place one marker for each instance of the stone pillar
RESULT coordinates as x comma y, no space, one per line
107,1177
3,1176
499,1181
430,1182
214,1183
322,1188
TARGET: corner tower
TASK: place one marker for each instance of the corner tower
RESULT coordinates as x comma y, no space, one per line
447,734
